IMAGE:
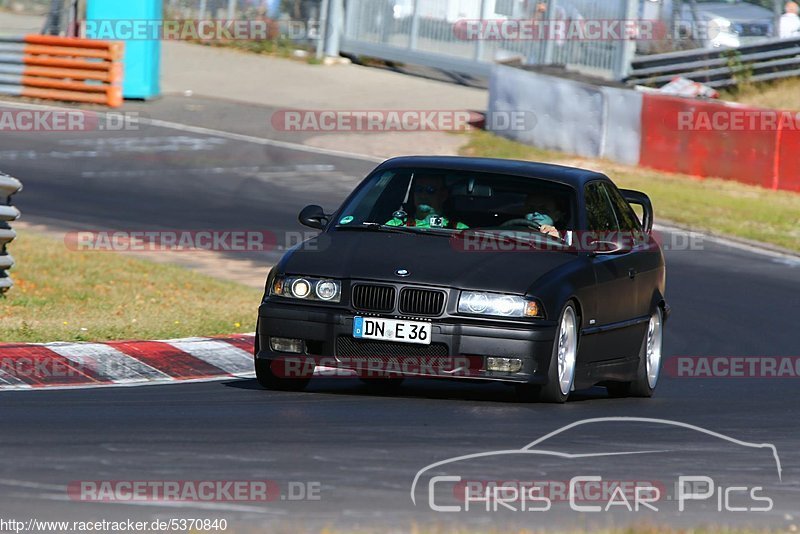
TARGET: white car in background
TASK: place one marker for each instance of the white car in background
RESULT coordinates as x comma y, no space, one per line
714,23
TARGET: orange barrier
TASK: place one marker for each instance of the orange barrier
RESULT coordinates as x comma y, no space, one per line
64,68
113,77
109,98
41,61
55,40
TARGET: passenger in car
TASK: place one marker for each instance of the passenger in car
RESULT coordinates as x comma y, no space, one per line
430,194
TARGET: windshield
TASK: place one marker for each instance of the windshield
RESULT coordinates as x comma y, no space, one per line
435,200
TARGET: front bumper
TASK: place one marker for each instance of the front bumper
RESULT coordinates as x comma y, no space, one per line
468,343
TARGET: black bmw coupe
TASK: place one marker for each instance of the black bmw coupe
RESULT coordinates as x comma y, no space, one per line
540,276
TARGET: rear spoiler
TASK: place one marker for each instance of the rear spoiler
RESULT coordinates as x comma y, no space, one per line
640,199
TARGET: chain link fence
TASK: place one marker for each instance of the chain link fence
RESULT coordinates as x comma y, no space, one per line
439,33
301,10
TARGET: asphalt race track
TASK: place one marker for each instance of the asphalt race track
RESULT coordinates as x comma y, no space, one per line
357,450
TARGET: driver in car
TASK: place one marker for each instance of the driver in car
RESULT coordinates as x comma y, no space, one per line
430,194
542,211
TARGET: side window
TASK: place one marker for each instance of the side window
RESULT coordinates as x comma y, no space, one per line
628,221
599,211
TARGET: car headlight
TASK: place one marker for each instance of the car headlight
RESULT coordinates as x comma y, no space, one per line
307,288
496,304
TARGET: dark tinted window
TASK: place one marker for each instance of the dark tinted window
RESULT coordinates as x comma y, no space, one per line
628,222
599,211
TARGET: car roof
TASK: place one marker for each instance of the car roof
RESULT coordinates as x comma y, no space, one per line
572,176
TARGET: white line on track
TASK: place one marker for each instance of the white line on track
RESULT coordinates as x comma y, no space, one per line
783,257
209,131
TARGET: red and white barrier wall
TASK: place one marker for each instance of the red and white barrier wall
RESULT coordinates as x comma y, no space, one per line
684,135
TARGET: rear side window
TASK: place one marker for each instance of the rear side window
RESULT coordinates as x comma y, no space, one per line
600,215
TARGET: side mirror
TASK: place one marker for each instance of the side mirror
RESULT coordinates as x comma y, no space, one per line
313,217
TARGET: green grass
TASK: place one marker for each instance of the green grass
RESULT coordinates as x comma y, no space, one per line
61,295
781,94
283,48
709,204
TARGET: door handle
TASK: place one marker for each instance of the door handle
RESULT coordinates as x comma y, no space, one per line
631,273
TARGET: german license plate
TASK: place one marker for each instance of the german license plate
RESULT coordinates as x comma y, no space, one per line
392,330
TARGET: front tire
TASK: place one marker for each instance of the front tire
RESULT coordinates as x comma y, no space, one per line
561,371
649,362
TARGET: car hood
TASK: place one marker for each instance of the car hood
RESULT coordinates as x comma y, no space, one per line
430,260
741,12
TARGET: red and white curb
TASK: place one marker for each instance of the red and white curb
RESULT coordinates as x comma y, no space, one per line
26,366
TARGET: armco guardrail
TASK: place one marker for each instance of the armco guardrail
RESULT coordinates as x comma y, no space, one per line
8,187
662,132
62,68
720,68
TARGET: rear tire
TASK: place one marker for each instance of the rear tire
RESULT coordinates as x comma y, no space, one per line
650,358
267,378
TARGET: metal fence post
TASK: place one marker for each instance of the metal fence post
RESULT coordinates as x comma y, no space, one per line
8,187
626,50
412,39
479,44
322,36
333,33
53,24
546,51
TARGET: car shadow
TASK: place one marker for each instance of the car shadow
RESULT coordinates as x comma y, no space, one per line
419,388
